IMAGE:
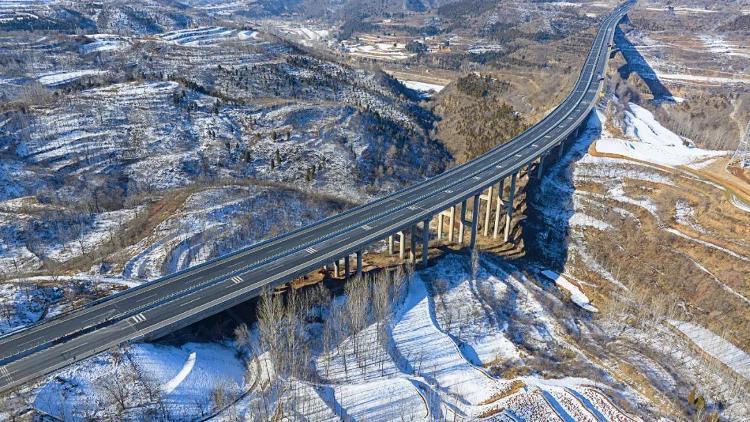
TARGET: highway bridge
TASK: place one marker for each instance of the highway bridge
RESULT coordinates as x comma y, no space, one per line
175,301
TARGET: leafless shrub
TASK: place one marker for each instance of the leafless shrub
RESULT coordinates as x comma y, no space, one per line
34,94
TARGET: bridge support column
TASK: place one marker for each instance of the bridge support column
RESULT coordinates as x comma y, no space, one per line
461,224
425,242
509,211
488,211
498,208
336,268
359,263
440,226
474,223
540,167
452,223
401,245
347,269
390,245
413,249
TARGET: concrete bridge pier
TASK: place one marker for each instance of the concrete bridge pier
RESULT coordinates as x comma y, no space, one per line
540,167
498,208
413,249
347,269
461,224
359,263
390,245
336,268
509,210
451,214
425,241
452,223
401,245
474,223
487,210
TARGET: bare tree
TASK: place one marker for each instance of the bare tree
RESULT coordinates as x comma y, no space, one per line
241,337
357,310
270,313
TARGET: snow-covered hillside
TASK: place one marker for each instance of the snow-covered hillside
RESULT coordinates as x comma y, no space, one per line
447,338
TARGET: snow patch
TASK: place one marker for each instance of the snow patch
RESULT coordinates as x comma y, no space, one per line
59,78
737,202
729,354
180,377
652,142
423,87
582,220
576,295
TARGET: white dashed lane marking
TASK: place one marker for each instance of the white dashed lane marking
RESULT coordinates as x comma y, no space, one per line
311,250
138,318
5,373
236,279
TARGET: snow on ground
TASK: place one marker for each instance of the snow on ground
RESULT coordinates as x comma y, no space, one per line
649,141
204,36
23,304
302,33
582,220
375,47
105,42
697,165
187,375
576,295
715,80
186,369
102,228
464,310
423,87
684,214
434,355
718,45
707,244
737,202
59,78
716,346
384,400
681,10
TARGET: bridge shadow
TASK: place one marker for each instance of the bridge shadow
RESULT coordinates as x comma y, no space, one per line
636,63
546,230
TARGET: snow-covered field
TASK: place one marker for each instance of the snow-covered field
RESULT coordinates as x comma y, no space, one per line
59,78
205,36
105,42
184,377
306,35
716,346
425,88
718,45
649,141
376,47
